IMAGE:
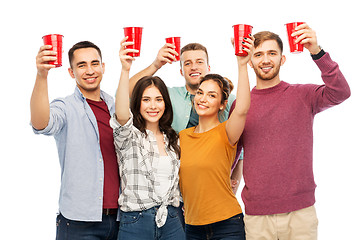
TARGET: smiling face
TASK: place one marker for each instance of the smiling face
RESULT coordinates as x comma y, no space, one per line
267,60
207,100
152,106
194,66
87,69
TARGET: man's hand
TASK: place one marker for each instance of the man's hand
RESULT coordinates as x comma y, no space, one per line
307,37
165,55
42,59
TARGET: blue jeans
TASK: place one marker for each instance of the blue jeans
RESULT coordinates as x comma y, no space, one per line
229,229
142,226
78,230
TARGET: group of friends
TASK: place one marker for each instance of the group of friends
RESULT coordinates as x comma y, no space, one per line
164,162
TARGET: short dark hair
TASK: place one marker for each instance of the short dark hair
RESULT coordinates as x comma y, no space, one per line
263,36
194,47
165,120
79,45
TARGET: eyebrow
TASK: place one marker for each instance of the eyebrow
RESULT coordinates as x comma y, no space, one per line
159,96
189,60
84,62
268,51
199,89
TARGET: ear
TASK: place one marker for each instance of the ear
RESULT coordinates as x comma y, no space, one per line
71,72
181,72
103,67
223,106
283,60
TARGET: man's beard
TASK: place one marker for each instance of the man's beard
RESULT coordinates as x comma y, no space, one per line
267,77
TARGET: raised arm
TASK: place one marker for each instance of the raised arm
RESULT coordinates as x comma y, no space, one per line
235,124
122,100
336,88
39,102
165,55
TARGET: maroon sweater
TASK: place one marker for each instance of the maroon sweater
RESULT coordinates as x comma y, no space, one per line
278,141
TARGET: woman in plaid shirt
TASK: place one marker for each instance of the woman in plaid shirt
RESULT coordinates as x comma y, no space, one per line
148,155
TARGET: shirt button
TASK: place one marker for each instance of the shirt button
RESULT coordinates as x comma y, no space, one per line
100,160
101,179
100,198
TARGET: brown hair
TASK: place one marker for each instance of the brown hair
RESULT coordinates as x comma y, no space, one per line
263,36
225,85
194,47
165,120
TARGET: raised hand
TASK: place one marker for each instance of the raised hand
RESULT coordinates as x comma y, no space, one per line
307,37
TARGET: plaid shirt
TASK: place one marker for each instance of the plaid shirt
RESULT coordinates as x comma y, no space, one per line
135,154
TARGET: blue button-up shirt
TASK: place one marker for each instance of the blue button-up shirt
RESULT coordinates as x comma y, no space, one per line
74,127
181,103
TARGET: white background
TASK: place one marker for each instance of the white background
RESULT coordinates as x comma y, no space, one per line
30,172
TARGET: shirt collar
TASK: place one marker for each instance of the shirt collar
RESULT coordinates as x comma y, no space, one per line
104,96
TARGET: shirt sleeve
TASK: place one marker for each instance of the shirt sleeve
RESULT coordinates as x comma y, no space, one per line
57,119
122,134
334,91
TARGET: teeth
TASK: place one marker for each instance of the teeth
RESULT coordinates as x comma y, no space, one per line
201,106
195,74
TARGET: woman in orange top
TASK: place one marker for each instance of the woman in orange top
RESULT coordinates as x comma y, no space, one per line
207,153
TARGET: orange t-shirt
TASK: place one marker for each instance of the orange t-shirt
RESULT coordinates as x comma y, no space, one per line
205,168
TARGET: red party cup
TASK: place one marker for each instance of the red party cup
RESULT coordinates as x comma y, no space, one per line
175,41
294,47
241,31
56,41
134,35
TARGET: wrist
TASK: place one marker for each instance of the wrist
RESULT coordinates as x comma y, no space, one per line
316,50
319,54
155,65
42,75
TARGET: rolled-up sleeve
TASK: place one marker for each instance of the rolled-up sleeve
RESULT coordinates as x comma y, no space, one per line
57,119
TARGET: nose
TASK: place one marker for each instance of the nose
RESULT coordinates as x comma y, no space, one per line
89,70
203,98
193,66
266,58
152,104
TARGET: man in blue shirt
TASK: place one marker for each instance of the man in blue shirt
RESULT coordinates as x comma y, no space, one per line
80,125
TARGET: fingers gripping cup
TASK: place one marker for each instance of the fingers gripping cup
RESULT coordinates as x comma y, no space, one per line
294,47
56,41
134,35
241,31
175,41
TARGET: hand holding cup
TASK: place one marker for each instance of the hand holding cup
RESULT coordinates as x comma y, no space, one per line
166,54
126,54
306,37
44,56
247,47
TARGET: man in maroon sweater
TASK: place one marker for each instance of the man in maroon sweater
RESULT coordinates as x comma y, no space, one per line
279,192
